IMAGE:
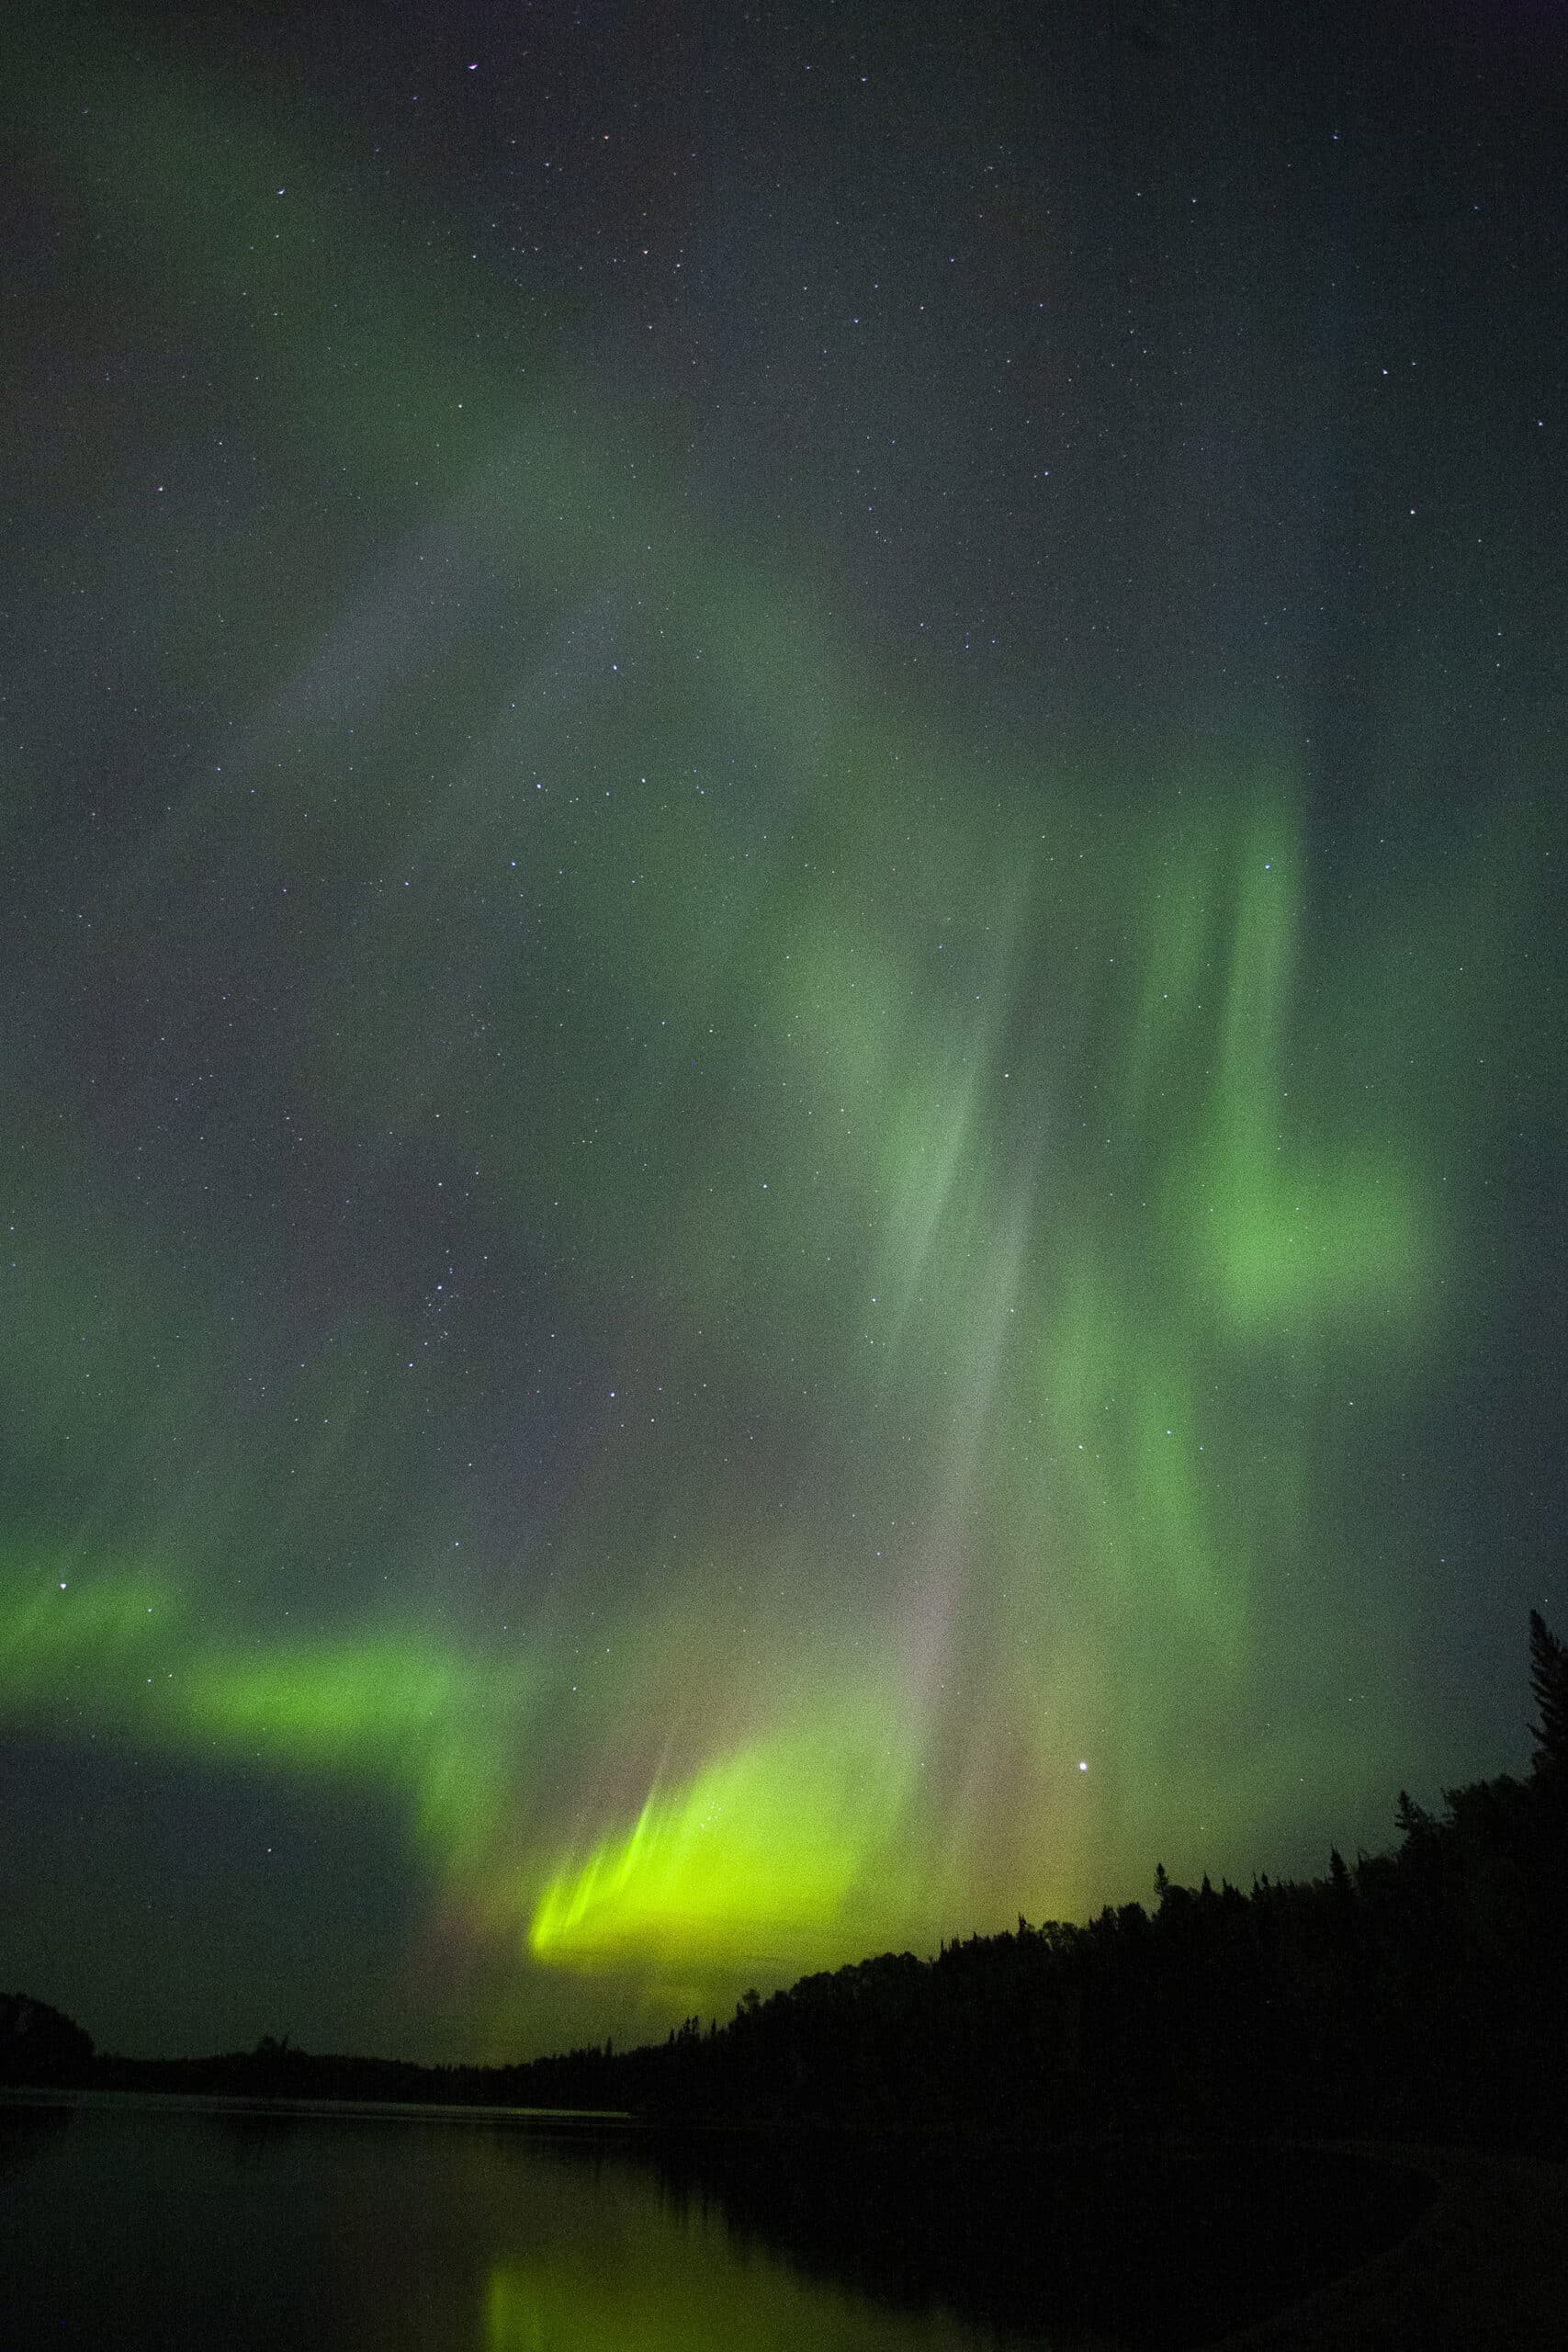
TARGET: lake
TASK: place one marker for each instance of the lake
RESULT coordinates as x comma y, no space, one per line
141,2223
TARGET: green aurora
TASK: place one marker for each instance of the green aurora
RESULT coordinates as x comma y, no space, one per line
783,1329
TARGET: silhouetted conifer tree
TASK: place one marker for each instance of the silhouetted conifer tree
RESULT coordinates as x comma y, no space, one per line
1548,1688
1412,1820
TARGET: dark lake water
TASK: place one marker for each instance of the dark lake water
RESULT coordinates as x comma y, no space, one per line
132,2224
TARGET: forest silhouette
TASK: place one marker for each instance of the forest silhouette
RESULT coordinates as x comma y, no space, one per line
1417,1994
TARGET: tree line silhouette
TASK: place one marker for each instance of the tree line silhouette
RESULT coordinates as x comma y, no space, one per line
1418,1992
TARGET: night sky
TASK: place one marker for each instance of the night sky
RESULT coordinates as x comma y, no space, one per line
781,1129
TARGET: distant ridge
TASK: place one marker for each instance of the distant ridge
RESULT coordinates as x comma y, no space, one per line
1411,1996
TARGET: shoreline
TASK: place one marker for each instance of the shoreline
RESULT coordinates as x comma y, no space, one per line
1484,2270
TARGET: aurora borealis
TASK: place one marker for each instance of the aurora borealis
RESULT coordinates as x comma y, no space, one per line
780,1120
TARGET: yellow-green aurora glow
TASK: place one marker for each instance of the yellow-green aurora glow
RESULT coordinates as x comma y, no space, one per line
782,1325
